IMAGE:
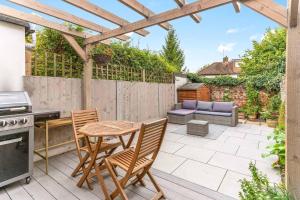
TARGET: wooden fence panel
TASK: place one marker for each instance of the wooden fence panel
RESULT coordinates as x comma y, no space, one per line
148,101
127,100
166,95
53,93
104,98
122,100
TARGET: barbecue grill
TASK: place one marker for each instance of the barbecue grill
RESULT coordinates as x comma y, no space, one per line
16,137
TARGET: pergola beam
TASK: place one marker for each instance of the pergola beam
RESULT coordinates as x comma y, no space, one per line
293,13
195,17
74,44
269,9
10,12
48,10
187,9
100,12
237,6
144,11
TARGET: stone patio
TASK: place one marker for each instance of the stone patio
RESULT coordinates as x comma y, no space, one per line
217,164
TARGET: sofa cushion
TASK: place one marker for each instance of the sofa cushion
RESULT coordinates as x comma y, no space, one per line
204,105
189,104
223,107
224,114
181,112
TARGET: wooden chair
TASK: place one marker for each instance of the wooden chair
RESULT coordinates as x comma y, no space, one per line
137,161
83,147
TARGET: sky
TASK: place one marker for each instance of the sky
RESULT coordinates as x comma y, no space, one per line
221,31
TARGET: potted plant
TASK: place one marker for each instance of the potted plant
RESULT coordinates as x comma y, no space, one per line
252,113
272,112
241,113
271,118
101,54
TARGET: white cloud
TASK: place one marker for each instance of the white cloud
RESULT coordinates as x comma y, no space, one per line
227,47
232,30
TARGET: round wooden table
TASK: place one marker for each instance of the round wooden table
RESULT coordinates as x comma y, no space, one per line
105,129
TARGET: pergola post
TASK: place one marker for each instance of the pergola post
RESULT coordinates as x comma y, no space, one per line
87,79
293,107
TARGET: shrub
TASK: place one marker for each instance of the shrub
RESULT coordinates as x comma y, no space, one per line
278,148
217,81
260,188
253,101
281,118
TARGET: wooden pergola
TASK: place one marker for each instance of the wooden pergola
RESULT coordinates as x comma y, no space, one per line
287,18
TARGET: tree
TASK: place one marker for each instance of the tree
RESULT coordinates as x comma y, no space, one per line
264,64
267,55
172,51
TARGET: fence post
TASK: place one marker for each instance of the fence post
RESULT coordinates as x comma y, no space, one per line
28,62
143,75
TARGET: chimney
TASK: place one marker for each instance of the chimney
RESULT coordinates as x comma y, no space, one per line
225,59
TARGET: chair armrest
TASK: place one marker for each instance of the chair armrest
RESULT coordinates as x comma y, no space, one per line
178,106
235,115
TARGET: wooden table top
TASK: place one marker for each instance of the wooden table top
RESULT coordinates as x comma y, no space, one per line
109,128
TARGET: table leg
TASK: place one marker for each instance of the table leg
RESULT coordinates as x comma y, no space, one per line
92,163
93,155
130,140
46,146
122,142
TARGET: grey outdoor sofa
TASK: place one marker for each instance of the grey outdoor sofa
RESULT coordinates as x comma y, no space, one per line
223,113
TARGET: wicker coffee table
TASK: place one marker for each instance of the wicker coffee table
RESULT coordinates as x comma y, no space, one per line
197,127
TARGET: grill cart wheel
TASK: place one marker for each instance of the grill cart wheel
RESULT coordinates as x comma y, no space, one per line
28,179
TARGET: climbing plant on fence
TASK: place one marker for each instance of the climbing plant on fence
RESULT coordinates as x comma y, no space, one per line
61,65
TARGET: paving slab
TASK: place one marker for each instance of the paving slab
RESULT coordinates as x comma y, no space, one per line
194,153
230,162
202,174
242,142
168,162
231,184
255,154
222,147
172,136
171,147
259,138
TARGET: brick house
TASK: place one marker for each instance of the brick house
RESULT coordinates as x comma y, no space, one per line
229,68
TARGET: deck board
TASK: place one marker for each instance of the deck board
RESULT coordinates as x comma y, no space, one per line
61,186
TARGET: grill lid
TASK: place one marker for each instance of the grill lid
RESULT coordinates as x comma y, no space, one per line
14,102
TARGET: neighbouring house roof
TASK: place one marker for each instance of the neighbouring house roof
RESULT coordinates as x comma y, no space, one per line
220,68
15,21
191,86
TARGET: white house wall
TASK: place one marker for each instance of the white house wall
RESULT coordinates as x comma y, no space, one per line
12,56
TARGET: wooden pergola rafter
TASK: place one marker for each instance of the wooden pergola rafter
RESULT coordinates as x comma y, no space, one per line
287,18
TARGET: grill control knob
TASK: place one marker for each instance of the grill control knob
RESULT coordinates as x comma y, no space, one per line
13,122
3,123
23,121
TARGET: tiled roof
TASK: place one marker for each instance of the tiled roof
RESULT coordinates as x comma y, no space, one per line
220,68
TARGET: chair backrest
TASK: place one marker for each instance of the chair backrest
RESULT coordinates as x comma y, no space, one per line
150,138
79,119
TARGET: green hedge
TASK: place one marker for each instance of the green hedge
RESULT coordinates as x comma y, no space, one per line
217,81
126,55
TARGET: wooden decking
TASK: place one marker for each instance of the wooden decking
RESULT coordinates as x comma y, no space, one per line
60,185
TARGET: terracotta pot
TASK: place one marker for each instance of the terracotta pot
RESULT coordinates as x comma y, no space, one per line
252,117
101,59
272,123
